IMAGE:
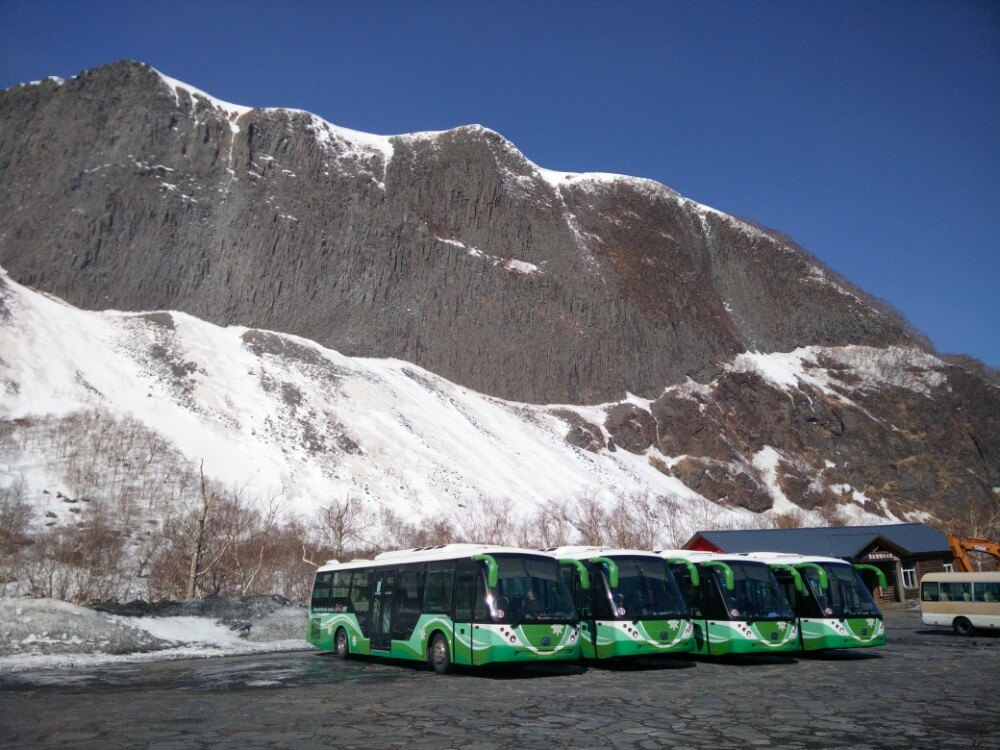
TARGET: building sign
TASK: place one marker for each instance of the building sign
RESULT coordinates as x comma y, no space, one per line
880,556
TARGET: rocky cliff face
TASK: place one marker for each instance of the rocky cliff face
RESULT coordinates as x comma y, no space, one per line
826,434
125,189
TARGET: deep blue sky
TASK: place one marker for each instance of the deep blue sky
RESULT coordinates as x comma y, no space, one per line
866,131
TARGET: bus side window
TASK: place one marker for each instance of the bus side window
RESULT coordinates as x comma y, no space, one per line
956,591
929,592
479,613
321,591
713,607
463,597
986,591
438,590
600,594
407,602
581,596
787,584
339,590
361,597
690,592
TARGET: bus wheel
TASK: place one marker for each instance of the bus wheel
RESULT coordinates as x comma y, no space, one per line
340,647
963,626
437,654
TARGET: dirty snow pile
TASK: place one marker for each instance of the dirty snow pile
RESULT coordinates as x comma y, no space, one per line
48,633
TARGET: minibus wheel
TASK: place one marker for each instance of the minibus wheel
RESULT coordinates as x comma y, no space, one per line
437,654
963,626
340,647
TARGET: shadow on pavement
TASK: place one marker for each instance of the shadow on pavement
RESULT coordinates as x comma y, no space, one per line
948,633
840,655
521,671
747,659
642,664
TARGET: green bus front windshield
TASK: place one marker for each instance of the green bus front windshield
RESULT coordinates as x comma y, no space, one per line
755,594
646,589
845,594
529,589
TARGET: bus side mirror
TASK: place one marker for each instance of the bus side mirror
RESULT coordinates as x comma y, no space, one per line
823,580
729,579
800,585
878,572
492,569
692,569
581,569
612,568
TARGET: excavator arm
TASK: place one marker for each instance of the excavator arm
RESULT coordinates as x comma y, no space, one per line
961,547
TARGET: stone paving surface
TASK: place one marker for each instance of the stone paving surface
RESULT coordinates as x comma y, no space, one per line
926,689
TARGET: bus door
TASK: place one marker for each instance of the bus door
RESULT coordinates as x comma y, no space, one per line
481,639
381,618
583,600
465,582
712,608
695,598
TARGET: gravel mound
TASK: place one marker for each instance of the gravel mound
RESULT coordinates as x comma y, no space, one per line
238,613
42,633
48,626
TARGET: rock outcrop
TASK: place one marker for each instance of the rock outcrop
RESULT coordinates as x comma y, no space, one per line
893,430
125,189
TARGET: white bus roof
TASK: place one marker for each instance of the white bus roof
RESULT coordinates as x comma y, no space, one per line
987,576
697,556
428,554
586,553
787,558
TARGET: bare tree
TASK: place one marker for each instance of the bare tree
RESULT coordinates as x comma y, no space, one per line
490,522
589,520
343,522
196,571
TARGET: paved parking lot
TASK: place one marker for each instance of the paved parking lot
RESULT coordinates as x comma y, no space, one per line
926,689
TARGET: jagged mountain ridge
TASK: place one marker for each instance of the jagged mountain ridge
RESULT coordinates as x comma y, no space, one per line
127,189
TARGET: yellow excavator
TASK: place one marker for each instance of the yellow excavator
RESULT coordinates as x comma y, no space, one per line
961,547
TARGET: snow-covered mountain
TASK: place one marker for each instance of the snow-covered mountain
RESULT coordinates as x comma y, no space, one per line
285,417
393,317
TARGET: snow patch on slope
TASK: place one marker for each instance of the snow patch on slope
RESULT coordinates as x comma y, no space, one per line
766,461
515,266
282,415
231,111
873,367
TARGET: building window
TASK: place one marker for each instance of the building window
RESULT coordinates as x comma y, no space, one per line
949,568
909,578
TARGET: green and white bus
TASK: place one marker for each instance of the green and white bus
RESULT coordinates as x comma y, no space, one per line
834,607
627,600
737,606
466,604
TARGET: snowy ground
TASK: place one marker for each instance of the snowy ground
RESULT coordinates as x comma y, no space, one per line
49,634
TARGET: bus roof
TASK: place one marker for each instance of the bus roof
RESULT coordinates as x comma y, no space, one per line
697,556
788,558
987,576
429,554
586,553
